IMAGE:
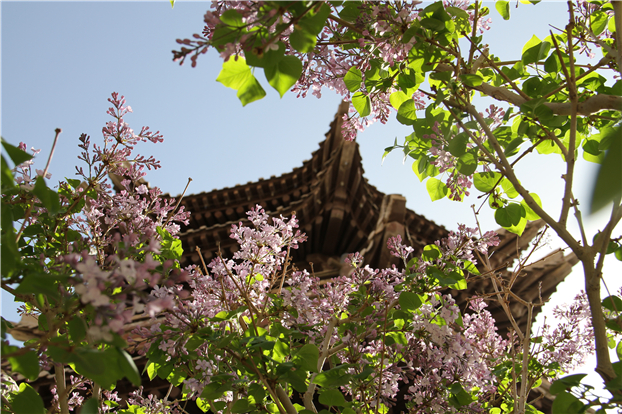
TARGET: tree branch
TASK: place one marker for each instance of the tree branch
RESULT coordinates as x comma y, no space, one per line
574,100
587,107
509,172
308,398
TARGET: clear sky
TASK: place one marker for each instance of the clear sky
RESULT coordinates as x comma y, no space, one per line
61,60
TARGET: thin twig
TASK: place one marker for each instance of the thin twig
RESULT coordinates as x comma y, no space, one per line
181,197
384,334
47,166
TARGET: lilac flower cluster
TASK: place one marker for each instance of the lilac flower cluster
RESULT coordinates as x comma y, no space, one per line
379,27
23,172
120,228
153,405
570,340
435,351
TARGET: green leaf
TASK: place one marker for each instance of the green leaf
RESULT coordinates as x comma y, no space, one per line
566,403
503,7
307,358
543,113
431,252
362,104
512,218
91,406
332,398
410,79
436,188
535,50
251,91
471,80
486,181
227,315
407,112
302,41
459,396
296,379
509,216
509,189
235,73
423,169
6,325
100,366
467,163
566,382
257,392
232,18
6,180
409,301
613,303
608,185
353,79
460,281
242,406
284,74
433,24
264,58
350,11
17,155
315,21
44,283
172,3
598,21
128,367
48,197
529,213
203,405
334,377
281,351
26,364
215,390
619,351
552,64
397,98
77,329
27,401
225,34
458,145
470,267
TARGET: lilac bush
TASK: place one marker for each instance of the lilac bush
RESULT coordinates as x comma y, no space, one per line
426,63
246,333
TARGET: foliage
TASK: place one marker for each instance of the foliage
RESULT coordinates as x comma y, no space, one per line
428,62
251,333
83,259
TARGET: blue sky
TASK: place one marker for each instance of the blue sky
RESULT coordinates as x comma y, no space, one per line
61,61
